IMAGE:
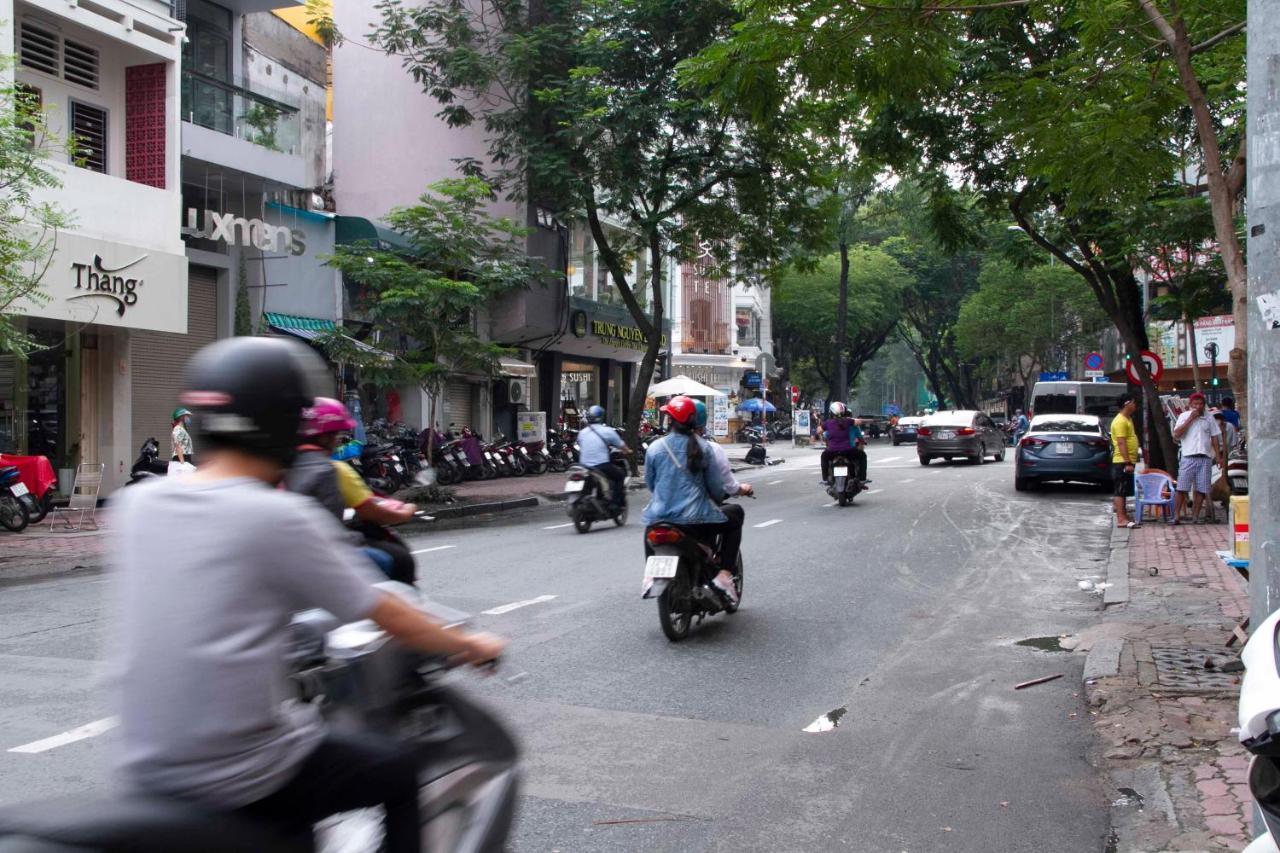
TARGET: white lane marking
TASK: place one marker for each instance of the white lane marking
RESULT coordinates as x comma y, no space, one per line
507,608
768,523
825,723
874,491
558,526
908,480
773,482
827,505
890,459
84,732
437,548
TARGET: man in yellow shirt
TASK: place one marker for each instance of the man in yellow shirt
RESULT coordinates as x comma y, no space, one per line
1124,458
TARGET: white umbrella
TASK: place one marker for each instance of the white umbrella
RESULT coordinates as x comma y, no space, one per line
682,384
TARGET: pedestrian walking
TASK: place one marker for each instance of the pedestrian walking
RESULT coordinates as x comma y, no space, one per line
1020,426
1201,445
1124,458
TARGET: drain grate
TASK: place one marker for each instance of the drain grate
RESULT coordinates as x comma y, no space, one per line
1182,668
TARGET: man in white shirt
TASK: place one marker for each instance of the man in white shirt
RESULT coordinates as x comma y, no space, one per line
1199,437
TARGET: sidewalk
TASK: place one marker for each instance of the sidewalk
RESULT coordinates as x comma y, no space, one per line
1161,705
36,552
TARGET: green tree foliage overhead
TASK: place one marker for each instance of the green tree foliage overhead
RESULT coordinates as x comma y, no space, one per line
425,300
1028,319
587,118
29,225
805,303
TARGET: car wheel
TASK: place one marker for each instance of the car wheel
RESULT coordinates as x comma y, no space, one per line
1021,484
999,456
895,442
924,460
981,458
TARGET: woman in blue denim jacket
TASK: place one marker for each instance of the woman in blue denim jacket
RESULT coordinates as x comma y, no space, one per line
685,488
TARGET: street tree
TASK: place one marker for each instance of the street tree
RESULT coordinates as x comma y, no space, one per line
29,226
588,120
806,316
1027,319
426,300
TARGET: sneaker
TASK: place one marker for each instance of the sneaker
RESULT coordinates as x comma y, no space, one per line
726,589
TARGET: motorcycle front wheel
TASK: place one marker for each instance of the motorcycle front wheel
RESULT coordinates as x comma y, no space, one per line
674,620
538,464
13,515
620,517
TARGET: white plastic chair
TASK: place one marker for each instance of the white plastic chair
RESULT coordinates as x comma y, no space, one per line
84,496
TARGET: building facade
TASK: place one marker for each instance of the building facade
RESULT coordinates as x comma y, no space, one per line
107,74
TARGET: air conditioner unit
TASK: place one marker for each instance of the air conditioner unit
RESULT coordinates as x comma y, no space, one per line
517,393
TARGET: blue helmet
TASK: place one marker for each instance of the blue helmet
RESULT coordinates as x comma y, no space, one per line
595,415
700,414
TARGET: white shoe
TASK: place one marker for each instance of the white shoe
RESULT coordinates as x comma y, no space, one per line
726,588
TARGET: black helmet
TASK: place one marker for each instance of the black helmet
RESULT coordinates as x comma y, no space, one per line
249,393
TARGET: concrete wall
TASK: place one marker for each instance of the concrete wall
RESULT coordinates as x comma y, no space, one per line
301,284
278,58
388,144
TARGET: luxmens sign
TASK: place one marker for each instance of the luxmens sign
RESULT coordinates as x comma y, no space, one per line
112,284
242,231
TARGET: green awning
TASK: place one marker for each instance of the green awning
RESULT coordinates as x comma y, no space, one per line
311,328
356,230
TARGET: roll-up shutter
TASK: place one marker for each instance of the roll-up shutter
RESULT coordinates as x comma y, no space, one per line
457,403
160,358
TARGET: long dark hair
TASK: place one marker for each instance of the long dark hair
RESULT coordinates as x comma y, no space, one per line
693,450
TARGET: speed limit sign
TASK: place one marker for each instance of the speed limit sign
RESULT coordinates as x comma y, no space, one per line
1154,366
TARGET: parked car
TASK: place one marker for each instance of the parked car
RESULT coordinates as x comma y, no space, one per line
1063,447
905,430
948,434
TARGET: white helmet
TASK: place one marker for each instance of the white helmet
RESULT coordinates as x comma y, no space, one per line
838,409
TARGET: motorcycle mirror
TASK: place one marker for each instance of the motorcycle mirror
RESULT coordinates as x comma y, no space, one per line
1273,723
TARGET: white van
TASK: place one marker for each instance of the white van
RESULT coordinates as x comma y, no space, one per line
1078,398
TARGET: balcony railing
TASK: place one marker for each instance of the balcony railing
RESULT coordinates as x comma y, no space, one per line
713,340
242,113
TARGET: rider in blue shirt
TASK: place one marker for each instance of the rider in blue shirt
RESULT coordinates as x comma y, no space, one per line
594,443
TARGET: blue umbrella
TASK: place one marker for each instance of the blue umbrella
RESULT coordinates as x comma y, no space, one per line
755,404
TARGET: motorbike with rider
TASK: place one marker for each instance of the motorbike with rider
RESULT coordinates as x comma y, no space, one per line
339,487
596,443
844,440
204,608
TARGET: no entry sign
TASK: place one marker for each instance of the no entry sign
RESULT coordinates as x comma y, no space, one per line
1154,366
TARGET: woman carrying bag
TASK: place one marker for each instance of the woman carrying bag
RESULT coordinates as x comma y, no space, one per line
183,459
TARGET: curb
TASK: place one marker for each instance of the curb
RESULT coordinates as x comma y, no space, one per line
1118,569
1103,659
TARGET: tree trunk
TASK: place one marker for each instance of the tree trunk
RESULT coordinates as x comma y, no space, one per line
1195,353
1224,189
640,391
840,385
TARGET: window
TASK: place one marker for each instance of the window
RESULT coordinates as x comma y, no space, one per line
43,49
29,102
89,132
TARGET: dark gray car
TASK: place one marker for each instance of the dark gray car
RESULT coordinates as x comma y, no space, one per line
961,433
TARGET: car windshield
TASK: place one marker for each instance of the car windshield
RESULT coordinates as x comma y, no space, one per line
1104,405
1066,425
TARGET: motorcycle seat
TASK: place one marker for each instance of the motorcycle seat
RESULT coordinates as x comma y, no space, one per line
138,825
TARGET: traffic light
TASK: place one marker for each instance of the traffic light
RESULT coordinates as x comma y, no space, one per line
1215,382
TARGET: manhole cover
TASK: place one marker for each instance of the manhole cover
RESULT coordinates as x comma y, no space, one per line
1182,668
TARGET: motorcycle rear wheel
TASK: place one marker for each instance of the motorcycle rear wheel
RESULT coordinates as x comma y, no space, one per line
43,505
581,523
620,517
13,515
675,623
538,464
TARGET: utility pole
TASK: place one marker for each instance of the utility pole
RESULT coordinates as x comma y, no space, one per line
1264,309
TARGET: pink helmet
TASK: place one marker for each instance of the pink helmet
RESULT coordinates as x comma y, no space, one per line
325,416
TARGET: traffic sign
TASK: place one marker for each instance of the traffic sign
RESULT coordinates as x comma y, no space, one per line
1055,376
1093,361
1094,374
795,394
1154,366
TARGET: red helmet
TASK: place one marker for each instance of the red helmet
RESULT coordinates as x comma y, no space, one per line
325,416
682,410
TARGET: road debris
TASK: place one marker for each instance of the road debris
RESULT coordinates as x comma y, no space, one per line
1033,682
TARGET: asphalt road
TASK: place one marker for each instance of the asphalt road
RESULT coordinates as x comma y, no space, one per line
899,617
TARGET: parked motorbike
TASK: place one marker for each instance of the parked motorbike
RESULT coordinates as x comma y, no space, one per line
844,485
1259,732
360,679
1238,468
678,572
15,500
148,464
588,491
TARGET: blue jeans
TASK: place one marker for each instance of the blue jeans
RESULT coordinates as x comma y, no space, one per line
380,558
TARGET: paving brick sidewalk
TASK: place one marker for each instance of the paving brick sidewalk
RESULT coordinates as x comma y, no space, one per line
35,551
1165,720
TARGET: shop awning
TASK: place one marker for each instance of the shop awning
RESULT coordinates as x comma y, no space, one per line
515,367
356,230
311,329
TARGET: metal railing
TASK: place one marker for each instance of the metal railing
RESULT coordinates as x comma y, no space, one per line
712,340
237,111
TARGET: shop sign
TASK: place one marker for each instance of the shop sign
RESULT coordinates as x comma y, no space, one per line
111,284
620,335
531,427
241,231
719,416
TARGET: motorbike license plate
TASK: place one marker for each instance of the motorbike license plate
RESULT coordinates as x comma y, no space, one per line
661,567
1064,448
841,472
18,490
575,485
946,434
399,468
